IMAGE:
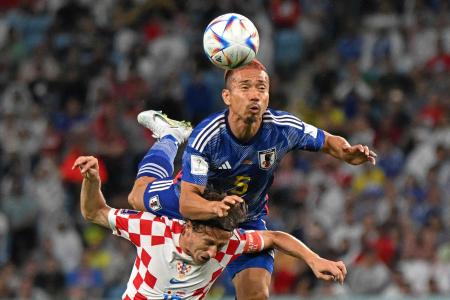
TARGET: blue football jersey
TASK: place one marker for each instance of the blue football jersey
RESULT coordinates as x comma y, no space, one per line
215,157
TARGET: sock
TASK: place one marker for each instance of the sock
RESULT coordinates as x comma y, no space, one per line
158,162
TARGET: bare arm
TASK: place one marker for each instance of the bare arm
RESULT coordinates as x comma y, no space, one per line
340,148
322,268
194,206
93,204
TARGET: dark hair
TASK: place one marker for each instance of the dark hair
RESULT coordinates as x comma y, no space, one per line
254,64
236,215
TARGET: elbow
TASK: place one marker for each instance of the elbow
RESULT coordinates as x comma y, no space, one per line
275,238
133,200
90,217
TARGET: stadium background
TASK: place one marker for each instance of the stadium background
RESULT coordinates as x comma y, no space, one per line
74,75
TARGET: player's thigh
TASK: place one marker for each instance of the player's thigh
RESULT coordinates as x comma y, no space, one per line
252,284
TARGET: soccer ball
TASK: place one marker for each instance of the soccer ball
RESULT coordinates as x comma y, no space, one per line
231,41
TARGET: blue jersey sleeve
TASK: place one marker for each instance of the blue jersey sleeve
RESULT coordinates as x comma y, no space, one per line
301,135
197,156
195,166
310,138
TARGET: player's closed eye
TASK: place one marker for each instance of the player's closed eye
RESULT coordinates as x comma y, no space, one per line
262,88
210,243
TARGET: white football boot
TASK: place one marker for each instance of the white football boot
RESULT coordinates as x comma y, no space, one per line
161,125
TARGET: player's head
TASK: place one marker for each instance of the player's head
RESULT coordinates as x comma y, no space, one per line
246,91
202,239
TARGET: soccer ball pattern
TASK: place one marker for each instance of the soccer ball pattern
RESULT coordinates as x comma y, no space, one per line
231,41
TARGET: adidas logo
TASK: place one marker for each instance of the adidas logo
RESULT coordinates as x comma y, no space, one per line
225,166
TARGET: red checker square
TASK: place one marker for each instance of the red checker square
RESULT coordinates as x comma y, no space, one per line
127,298
122,223
150,280
158,240
139,296
137,263
219,256
167,233
135,238
232,246
138,281
158,219
145,258
145,227
177,227
136,216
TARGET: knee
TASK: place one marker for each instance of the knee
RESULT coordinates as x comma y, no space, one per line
254,291
260,294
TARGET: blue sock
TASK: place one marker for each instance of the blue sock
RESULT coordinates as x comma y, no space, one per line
158,162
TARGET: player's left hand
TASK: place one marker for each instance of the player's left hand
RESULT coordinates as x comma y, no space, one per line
359,154
221,208
88,166
329,270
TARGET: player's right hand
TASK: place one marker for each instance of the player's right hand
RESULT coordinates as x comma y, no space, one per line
88,166
221,208
329,270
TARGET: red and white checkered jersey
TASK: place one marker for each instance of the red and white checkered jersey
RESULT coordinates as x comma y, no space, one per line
161,269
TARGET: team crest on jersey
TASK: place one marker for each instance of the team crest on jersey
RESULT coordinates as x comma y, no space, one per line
267,158
155,205
183,269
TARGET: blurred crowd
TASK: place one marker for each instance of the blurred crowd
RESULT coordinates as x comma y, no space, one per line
75,73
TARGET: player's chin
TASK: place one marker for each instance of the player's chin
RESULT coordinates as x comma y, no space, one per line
253,116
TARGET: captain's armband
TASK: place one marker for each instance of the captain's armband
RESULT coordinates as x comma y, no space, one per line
254,242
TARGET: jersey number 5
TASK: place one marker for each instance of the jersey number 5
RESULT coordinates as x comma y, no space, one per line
241,185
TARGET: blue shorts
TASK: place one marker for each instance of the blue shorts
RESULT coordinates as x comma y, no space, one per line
263,259
161,198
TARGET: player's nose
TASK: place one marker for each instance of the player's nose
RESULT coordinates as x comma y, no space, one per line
253,94
212,251
205,257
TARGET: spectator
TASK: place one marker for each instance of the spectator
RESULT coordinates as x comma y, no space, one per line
66,243
22,212
369,276
85,279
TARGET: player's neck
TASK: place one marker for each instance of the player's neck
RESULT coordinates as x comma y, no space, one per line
242,130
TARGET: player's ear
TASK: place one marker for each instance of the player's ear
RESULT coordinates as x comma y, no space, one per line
187,228
226,96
